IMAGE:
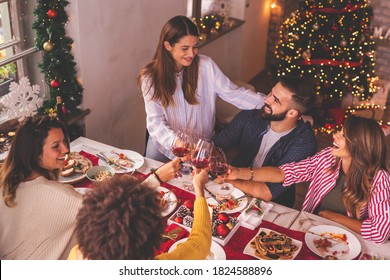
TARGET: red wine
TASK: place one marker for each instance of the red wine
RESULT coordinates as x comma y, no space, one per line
219,168
180,151
200,163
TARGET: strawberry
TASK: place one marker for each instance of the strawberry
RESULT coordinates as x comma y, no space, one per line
223,217
179,220
189,203
222,230
121,156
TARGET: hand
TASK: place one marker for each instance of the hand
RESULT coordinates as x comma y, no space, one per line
199,180
168,171
232,173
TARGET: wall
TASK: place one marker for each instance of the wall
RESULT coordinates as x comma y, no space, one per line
381,9
241,54
113,41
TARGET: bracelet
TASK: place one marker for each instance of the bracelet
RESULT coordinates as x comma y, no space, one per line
158,178
251,178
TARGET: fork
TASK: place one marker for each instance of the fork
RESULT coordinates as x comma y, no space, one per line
215,198
118,154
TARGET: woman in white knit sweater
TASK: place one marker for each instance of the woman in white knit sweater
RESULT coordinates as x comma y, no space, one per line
38,214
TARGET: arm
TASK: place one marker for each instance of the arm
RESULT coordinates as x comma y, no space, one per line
348,222
260,174
255,189
165,173
376,226
197,247
156,122
241,97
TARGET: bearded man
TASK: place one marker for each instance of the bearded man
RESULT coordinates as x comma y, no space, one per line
272,136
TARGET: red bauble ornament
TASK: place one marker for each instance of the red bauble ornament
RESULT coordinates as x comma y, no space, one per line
54,83
51,13
64,110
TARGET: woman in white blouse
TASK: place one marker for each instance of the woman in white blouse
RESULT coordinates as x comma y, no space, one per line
180,88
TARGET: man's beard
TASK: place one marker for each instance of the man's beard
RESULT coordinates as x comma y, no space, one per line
270,116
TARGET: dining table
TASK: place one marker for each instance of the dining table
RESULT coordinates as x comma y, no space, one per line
293,223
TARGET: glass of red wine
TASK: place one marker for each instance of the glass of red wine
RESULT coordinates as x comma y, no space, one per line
200,157
219,167
181,148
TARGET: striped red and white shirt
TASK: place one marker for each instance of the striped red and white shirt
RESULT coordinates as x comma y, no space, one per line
375,215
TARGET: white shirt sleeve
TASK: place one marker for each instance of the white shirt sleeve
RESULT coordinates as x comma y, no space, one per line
156,121
242,98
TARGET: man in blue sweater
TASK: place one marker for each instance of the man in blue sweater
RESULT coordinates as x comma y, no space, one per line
272,136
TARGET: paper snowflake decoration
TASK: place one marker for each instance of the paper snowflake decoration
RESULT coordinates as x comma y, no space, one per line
23,99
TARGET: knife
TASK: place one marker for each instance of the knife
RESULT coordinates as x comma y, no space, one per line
107,160
215,198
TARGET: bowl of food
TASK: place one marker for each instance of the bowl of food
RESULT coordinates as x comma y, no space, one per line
100,173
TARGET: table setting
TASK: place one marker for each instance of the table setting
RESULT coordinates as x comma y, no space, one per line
256,229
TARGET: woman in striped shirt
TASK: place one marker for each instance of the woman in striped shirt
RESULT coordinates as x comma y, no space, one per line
350,182
180,88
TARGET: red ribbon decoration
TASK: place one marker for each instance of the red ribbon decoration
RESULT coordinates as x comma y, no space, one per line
338,11
330,62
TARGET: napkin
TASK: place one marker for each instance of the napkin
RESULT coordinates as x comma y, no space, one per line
250,218
171,234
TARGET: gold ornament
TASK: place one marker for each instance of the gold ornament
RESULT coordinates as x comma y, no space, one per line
306,54
48,46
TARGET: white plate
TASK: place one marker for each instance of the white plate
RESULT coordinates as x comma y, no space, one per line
249,250
169,196
76,176
213,187
82,190
353,247
217,251
139,160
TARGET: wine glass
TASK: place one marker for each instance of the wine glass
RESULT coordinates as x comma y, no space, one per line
200,157
181,145
219,167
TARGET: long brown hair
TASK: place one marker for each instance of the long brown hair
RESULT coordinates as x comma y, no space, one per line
24,155
160,72
365,141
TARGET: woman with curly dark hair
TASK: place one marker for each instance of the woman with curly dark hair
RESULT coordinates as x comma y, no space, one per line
121,219
350,182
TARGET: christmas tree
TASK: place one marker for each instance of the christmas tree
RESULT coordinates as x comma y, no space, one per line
58,64
329,40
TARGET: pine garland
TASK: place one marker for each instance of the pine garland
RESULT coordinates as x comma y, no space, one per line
57,64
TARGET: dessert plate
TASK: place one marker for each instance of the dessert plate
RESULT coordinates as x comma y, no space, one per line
216,251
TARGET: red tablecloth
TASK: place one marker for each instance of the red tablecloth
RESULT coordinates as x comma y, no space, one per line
235,247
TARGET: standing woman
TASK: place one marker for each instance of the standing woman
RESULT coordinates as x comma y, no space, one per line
180,88
349,182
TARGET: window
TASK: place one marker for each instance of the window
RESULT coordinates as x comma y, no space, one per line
18,56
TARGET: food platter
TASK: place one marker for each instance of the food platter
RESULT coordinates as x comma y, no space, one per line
130,160
216,251
170,200
78,175
347,248
272,246
213,187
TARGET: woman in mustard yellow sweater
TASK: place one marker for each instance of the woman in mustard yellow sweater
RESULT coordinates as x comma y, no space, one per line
130,224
